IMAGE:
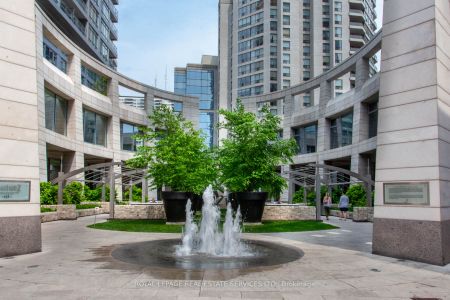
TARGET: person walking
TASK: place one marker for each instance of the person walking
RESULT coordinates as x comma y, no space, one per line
327,204
343,206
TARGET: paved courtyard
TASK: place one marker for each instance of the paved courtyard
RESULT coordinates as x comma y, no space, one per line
76,264
350,235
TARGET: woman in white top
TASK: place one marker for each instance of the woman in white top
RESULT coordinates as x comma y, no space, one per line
327,204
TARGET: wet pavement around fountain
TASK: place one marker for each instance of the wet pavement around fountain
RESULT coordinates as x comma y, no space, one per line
76,263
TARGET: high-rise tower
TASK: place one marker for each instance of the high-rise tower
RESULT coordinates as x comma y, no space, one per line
89,23
268,45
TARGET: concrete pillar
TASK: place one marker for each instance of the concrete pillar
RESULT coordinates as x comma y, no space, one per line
112,197
323,135
144,190
325,93
413,139
362,72
20,224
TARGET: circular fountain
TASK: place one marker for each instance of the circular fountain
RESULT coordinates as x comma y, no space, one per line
207,247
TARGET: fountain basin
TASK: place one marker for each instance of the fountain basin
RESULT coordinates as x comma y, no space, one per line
161,254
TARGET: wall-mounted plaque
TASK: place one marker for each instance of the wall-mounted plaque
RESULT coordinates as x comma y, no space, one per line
407,193
14,191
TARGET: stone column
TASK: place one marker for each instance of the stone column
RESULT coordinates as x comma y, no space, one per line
20,224
362,72
413,138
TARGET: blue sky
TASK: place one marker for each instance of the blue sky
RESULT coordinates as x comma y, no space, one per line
159,34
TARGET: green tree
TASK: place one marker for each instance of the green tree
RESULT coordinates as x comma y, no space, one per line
174,153
249,158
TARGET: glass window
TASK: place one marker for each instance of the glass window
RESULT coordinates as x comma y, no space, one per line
338,44
373,119
341,131
93,37
94,80
338,19
55,113
286,20
95,128
286,71
55,55
338,58
206,124
286,58
286,32
339,84
105,29
93,14
338,32
306,138
286,7
105,51
273,13
286,45
337,6
127,131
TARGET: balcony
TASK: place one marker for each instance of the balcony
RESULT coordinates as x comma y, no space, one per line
357,28
356,4
356,41
356,15
114,13
71,14
113,33
112,50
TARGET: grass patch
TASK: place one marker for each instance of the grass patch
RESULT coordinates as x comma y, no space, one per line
160,226
87,206
287,226
138,226
46,209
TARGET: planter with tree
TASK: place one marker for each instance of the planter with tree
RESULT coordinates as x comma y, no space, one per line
177,159
249,158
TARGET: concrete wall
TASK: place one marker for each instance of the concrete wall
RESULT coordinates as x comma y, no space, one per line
414,127
20,228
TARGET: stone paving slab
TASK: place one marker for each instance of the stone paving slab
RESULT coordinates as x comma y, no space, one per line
73,266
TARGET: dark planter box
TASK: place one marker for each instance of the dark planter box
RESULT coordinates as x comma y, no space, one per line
175,206
197,202
252,205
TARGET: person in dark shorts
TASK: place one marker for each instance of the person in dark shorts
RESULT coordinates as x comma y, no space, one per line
327,204
343,206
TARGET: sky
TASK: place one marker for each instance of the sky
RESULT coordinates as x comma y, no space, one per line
155,36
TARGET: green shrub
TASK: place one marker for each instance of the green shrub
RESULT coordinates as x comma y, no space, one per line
137,194
73,193
95,195
46,209
87,206
357,195
49,193
310,196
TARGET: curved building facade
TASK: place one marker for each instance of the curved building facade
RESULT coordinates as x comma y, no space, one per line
83,118
335,130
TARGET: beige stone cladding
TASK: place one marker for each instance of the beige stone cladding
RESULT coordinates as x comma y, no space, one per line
293,212
71,147
20,230
137,211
